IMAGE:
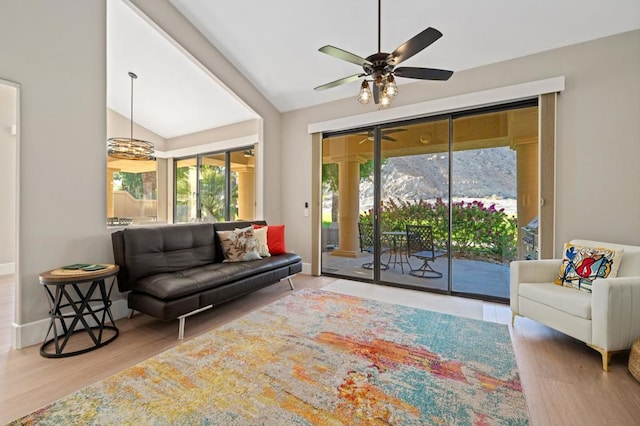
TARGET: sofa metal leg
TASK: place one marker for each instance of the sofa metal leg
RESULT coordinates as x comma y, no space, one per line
131,312
181,322
291,283
182,319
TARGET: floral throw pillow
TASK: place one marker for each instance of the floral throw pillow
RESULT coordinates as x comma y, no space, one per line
239,245
582,265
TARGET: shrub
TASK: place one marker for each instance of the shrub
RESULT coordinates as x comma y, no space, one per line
478,231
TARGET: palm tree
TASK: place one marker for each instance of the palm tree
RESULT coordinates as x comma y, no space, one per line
212,192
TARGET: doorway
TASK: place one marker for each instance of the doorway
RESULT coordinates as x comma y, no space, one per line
440,204
9,129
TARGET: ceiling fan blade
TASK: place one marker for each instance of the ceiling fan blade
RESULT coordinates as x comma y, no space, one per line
423,73
344,55
414,45
363,141
389,138
339,82
376,93
390,131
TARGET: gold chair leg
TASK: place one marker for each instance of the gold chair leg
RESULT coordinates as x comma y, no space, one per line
606,355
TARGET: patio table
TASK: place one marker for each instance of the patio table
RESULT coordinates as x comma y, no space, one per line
398,241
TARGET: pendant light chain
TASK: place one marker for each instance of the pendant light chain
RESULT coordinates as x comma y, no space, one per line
133,77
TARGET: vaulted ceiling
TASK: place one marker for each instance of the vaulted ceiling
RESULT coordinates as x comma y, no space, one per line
274,44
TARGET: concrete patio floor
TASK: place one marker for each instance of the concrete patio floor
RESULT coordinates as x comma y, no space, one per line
469,276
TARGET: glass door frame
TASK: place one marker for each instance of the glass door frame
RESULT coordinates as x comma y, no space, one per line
377,154
525,103
378,186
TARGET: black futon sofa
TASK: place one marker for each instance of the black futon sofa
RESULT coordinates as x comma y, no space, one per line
174,271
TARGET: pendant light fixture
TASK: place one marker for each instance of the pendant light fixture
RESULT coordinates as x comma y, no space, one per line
130,148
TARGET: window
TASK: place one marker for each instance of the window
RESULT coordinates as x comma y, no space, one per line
215,187
132,191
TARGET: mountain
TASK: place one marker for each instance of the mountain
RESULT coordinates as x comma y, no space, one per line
482,173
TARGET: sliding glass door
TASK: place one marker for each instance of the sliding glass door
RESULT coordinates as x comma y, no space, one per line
349,243
494,188
441,204
414,222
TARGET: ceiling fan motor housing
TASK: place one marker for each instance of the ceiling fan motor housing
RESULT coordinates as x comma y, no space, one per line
380,65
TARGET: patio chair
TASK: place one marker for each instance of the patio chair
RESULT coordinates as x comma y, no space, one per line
420,245
365,234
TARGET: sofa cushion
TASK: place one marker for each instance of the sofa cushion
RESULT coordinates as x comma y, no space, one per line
177,284
566,299
154,250
275,238
239,245
261,236
229,226
581,265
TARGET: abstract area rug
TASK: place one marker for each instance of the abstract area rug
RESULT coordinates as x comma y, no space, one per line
316,357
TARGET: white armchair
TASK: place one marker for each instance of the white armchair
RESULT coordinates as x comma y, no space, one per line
607,320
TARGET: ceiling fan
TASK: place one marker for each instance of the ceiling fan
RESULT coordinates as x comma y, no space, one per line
385,135
381,67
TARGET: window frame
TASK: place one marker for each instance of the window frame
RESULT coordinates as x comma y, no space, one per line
227,177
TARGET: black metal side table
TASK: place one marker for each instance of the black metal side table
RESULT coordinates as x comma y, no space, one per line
80,303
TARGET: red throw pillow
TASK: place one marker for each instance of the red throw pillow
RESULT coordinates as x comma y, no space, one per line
275,238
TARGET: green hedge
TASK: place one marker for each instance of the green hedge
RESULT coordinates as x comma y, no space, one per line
478,231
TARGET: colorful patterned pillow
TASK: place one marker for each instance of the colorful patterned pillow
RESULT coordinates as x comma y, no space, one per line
581,265
239,245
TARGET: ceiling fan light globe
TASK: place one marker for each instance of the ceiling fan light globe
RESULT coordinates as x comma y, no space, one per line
385,101
364,98
391,88
365,93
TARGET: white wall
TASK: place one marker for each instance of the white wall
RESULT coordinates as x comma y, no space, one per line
8,109
56,51
598,137
120,126
175,25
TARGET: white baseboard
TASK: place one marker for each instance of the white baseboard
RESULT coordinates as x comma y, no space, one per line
306,268
23,335
7,268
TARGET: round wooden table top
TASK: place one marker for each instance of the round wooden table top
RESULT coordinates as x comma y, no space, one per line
62,275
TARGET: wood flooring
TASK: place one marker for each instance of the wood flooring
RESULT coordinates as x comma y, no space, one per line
562,378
